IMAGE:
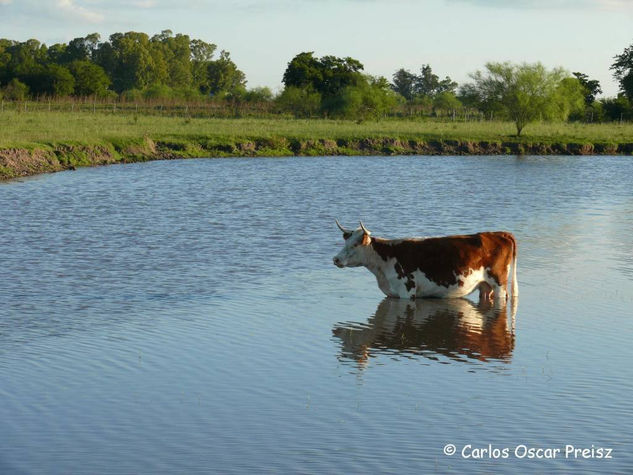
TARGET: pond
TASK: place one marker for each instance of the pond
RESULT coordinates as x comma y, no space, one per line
186,317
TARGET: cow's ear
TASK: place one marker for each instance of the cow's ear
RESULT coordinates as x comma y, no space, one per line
366,240
346,235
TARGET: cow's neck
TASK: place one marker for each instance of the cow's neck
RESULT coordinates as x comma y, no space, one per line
377,266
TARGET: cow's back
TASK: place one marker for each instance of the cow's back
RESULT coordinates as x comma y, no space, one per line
443,259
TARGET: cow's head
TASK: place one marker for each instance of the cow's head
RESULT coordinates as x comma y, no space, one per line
353,252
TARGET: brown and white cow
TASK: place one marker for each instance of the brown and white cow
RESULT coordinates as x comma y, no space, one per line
451,266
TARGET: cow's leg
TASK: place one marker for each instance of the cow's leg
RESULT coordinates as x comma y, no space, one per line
485,293
500,295
498,283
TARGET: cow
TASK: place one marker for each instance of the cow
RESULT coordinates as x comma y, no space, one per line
444,267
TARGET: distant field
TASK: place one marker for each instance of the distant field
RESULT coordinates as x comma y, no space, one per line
30,129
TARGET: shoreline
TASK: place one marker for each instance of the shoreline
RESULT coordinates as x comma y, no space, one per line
16,162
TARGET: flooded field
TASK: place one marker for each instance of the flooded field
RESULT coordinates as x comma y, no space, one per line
186,317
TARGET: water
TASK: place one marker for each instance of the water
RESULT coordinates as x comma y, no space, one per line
185,317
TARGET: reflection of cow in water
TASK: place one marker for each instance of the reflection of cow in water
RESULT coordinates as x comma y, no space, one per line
455,328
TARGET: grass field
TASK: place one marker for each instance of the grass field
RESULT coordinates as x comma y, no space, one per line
33,142
32,129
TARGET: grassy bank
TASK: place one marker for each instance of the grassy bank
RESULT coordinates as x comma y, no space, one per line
35,142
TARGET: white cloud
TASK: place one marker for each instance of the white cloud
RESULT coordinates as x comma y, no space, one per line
5,2
69,7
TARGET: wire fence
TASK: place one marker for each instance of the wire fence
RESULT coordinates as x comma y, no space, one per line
213,109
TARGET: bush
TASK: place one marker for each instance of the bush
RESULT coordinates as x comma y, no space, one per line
15,90
300,102
372,99
158,91
132,95
617,108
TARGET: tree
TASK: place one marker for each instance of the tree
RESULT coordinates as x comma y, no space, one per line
446,101
303,71
569,98
617,108
15,90
175,53
128,60
327,75
90,79
429,84
426,84
591,87
371,98
524,92
623,71
301,102
52,80
259,94
404,83
201,55
224,77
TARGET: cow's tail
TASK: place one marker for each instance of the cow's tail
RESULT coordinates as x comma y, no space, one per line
514,300
515,284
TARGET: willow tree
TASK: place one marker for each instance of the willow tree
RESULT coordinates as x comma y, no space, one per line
525,92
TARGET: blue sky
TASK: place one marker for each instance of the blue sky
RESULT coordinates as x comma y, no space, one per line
455,36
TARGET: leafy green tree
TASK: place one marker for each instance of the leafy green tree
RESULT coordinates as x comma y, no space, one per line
57,53
372,98
224,77
591,87
15,90
131,61
339,73
301,102
617,108
447,102
158,91
303,71
175,53
623,71
259,94
404,83
327,75
82,49
26,58
128,60
201,55
524,92
90,79
52,80
569,98
429,84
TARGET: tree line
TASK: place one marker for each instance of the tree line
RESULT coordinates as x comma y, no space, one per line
134,66
129,64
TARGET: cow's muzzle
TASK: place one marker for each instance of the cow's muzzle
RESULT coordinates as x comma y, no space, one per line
338,262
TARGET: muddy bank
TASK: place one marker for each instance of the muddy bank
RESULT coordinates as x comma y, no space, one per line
18,162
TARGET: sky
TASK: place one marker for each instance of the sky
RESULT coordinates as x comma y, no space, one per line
456,37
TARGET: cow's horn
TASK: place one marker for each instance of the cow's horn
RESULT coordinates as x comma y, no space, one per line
362,226
341,227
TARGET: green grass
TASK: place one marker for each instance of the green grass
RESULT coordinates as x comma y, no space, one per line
34,129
